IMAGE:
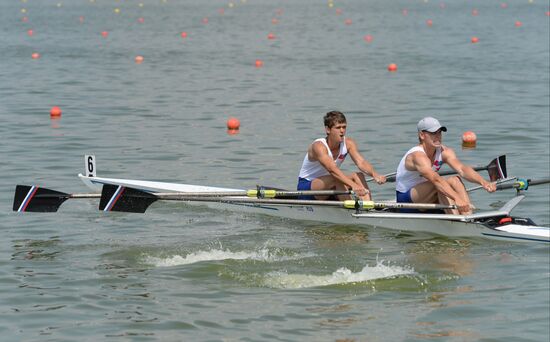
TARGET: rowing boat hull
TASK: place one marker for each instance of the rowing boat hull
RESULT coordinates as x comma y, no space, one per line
441,224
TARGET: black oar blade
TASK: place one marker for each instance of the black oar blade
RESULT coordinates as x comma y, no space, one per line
120,198
497,169
36,199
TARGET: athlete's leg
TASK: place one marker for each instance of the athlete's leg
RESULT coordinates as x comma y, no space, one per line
458,186
359,178
326,183
330,183
427,193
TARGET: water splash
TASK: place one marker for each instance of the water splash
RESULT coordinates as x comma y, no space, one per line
263,254
340,277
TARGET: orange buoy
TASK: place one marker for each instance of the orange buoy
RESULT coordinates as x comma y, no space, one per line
348,21
55,112
141,20
184,34
368,38
259,63
504,5
429,22
475,40
81,19
518,23
338,11
469,139
475,12
35,55
205,20
104,34
233,123
548,13
25,19
139,59
271,36
392,67
405,11
274,21
30,33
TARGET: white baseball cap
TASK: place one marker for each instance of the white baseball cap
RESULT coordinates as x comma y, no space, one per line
430,124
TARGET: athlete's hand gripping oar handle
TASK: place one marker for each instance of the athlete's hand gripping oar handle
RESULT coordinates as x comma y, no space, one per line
496,169
388,176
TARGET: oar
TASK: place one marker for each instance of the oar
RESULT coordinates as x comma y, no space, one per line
496,169
37,199
120,198
498,182
523,184
519,184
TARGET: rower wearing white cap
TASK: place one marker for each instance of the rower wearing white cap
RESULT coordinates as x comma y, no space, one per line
417,179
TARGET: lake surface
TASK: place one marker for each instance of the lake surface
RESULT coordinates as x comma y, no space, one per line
193,273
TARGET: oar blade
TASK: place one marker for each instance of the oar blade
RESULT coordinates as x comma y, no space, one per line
497,168
121,198
35,199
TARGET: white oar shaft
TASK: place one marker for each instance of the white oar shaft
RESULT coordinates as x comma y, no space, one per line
84,196
350,204
267,193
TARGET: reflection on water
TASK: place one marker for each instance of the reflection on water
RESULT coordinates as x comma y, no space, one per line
36,249
447,256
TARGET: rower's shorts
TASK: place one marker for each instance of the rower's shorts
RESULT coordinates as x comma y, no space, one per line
405,197
304,185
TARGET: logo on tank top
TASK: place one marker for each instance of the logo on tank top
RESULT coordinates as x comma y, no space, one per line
342,156
437,165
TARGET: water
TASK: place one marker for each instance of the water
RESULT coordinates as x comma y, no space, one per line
198,274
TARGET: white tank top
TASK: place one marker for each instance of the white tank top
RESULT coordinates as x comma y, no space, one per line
313,169
405,179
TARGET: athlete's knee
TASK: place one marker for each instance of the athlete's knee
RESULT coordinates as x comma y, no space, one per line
455,181
358,177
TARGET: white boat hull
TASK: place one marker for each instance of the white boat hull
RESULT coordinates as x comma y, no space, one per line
477,225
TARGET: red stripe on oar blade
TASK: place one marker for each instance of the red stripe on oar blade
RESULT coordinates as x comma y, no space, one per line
28,199
116,196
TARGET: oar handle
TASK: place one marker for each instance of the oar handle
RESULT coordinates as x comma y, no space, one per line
388,176
523,184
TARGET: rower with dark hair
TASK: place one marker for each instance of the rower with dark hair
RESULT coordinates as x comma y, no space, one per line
321,166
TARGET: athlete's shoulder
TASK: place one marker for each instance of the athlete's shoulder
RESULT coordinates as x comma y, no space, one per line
446,151
350,142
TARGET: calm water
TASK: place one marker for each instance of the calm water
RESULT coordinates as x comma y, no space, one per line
180,273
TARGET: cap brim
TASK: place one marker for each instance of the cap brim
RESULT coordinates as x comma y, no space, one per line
442,128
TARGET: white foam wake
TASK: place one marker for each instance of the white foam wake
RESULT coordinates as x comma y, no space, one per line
339,277
263,254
